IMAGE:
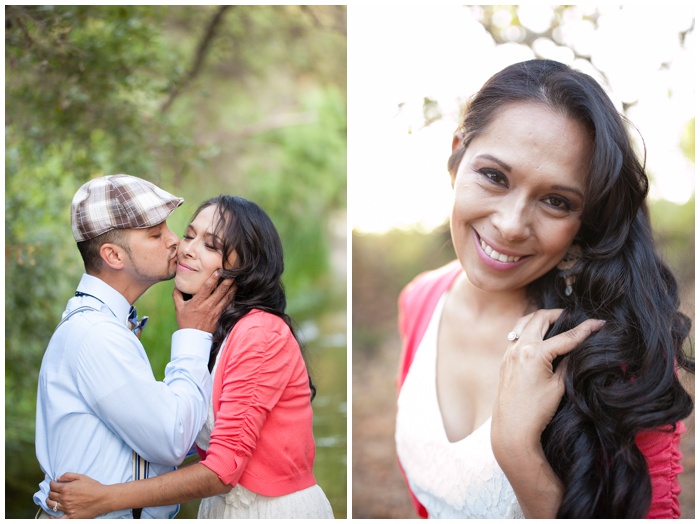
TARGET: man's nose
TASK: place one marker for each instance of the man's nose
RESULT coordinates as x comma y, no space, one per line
172,239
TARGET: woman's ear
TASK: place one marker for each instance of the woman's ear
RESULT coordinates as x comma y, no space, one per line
113,255
457,140
456,156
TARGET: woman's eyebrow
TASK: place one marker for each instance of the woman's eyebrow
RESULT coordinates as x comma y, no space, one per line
486,156
214,238
568,188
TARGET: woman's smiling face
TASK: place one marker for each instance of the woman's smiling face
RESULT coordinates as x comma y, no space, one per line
519,193
199,253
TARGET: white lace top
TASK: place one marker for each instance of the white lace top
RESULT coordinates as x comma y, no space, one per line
451,479
204,435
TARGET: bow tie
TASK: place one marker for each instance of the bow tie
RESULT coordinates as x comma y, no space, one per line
134,323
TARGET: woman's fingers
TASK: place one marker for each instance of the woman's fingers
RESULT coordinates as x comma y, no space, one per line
532,328
54,504
66,477
564,342
57,488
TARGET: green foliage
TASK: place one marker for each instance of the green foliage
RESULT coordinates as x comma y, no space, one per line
675,236
688,140
382,265
304,176
81,83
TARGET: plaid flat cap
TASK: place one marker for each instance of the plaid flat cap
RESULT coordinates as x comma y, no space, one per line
119,202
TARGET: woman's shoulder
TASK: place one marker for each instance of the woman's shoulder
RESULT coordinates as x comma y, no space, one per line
263,320
434,281
418,299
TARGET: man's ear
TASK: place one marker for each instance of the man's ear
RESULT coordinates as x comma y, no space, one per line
113,255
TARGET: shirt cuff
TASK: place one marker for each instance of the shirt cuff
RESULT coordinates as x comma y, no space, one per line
191,342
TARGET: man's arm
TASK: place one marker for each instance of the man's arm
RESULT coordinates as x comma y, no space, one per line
159,420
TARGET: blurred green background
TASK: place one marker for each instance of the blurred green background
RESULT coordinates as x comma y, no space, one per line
201,100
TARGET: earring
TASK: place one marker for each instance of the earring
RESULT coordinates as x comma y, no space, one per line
565,266
570,281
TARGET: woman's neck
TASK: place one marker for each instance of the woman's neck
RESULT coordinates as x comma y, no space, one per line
491,304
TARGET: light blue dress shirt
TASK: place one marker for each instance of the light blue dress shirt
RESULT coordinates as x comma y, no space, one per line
98,398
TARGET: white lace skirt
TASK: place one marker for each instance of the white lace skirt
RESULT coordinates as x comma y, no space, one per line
241,503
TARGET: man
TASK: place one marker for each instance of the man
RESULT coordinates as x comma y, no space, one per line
100,410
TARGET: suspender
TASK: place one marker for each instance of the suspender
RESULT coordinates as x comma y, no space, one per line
76,310
139,471
140,466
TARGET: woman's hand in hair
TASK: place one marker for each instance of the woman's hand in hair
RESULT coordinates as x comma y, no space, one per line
529,393
530,389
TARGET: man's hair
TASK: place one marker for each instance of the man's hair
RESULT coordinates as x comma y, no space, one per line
90,249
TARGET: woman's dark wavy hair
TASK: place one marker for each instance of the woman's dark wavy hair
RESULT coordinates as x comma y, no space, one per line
622,380
244,228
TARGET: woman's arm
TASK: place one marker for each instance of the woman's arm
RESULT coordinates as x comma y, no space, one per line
81,497
537,487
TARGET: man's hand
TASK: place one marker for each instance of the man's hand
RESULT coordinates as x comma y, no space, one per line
203,310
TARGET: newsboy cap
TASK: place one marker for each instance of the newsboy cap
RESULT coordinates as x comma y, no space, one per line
119,202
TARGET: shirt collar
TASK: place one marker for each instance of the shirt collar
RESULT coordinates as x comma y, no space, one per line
101,290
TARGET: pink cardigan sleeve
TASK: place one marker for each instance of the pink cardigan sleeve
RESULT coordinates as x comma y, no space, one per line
257,368
662,453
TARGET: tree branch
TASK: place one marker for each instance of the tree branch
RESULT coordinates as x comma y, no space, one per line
338,13
199,57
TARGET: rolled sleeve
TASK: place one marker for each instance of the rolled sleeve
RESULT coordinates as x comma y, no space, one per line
192,342
661,449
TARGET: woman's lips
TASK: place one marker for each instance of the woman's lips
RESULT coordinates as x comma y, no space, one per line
183,267
501,257
496,259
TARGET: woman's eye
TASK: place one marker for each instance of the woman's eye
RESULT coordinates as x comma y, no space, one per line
186,237
495,176
559,203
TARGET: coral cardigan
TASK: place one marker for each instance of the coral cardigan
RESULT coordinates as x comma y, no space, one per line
263,435
660,449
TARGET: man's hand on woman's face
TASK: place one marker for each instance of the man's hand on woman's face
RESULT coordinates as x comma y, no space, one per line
203,310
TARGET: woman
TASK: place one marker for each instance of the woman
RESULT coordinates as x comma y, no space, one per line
539,370
257,447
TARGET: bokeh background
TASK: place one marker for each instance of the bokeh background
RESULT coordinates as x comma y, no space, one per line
411,70
201,100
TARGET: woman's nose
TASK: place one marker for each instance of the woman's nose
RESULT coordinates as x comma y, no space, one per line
186,248
512,219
